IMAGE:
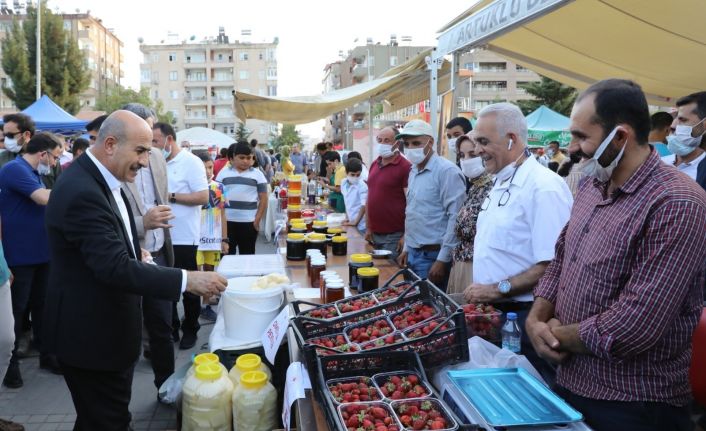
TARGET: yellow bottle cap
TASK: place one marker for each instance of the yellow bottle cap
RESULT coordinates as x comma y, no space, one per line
294,207
248,362
296,236
206,358
368,272
361,258
296,220
208,371
298,225
335,230
253,379
320,223
339,238
317,237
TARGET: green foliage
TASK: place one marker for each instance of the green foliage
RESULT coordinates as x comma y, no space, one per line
64,71
288,136
242,132
118,96
553,94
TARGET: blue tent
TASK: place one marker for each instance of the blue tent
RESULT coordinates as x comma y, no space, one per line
49,117
545,125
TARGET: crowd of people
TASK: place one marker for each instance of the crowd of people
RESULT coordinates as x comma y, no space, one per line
599,247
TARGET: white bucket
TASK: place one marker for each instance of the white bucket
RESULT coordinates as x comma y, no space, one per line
247,312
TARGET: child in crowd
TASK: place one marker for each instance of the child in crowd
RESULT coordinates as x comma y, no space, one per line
355,194
214,234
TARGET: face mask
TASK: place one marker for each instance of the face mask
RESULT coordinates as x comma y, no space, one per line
166,152
681,142
12,145
472,168
353,180
550,153
385,150
416,155
452,145
43,169
594,169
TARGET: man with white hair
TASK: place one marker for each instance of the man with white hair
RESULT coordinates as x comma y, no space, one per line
519,221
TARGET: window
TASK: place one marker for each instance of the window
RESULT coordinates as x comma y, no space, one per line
173,75
271,54
490,85
155,57
144,75
174,94
271,73
243,56
371,61
155,77
261,55
172,56
156,94
243,74
393,60
67,25
220,57
492,67
521,69
272,90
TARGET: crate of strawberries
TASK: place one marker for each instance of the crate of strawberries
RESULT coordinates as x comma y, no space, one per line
485,321
423,414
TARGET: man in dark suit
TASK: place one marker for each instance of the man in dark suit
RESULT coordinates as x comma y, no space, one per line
97,278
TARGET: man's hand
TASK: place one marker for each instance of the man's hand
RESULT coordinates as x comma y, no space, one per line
256,224
545,343
146,256
157,217
400,244
437,272
369,237
402,259
225,247
481,293
205,284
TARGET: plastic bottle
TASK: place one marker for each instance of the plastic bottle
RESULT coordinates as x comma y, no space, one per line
204,358
511,333
311,192
254,403
319,190
207,400
247,362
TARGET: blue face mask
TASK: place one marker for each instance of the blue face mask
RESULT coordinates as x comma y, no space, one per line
166,153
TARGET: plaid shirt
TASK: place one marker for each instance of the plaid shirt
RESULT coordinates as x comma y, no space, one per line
629,269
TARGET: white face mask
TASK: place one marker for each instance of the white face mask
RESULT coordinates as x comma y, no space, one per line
43,169
353,180
12,145
550,153
452,145
594,169
385,150
417,155
473,167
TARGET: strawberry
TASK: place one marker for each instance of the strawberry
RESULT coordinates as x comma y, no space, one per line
418,424
437,425
413,379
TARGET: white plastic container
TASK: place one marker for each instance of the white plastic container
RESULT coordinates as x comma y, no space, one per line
207,400
247,312
254,403
245,363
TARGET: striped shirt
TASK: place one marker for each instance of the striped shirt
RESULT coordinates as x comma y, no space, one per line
629,269
241,190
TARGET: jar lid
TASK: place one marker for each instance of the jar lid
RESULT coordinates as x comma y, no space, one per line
320,223
334,284
296,220
361,258
318,260
368,272
205,358
335,230
314,251
248,362
317,237
294,207
328,272
339,238
298,225
253,379
296,236
208,371
295,178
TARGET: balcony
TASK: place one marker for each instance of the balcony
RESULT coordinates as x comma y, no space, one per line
222,63
195,100
223,78
222,100
84,34
488,89
195,82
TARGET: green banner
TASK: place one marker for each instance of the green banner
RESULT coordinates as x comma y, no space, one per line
540,138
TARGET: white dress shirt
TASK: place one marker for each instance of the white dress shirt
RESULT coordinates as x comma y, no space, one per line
689,168
114,186
522,231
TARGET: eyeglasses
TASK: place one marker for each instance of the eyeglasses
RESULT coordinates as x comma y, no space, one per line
505,196
52,155
11,135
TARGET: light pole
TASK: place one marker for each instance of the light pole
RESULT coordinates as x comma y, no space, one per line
39,49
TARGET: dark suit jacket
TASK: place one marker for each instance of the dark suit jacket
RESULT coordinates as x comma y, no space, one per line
93,305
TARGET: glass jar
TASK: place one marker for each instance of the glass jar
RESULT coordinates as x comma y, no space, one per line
297,228
320,226
317,241
311,253
334,291
296,246
325,276
294,211
339,245
317,266
295,184
356,261
368,279
294,198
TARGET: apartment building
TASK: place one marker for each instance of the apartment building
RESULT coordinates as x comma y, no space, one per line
196,80
103,50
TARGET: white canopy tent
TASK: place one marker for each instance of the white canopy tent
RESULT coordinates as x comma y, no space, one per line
203,136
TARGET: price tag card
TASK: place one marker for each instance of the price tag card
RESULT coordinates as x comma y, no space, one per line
297,382
273,335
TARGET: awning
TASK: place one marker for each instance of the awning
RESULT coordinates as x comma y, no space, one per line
660,45
400,86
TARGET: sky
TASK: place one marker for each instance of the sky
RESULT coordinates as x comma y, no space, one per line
311,32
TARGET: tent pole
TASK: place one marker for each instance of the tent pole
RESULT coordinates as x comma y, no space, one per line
433,63
370,129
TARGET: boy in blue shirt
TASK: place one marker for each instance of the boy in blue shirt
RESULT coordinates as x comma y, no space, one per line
355,195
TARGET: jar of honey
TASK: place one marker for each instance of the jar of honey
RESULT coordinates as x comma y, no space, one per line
294,184
334,292
369,279
357,261
326,277
339,245
318,265
294,211
296,247
298,228
320,226
294,198
317,241
311,253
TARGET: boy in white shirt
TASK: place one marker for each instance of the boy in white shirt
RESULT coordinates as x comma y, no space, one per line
355,195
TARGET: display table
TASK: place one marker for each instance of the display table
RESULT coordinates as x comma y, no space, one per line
308,412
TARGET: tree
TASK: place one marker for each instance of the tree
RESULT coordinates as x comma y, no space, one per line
119,96
64,71
553,94
242,132
288,136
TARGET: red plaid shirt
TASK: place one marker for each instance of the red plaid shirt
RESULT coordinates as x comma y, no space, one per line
629,269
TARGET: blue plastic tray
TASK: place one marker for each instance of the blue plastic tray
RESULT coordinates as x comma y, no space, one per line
508,397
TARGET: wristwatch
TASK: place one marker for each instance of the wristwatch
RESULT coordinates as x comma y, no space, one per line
504,287
172,198
225,240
